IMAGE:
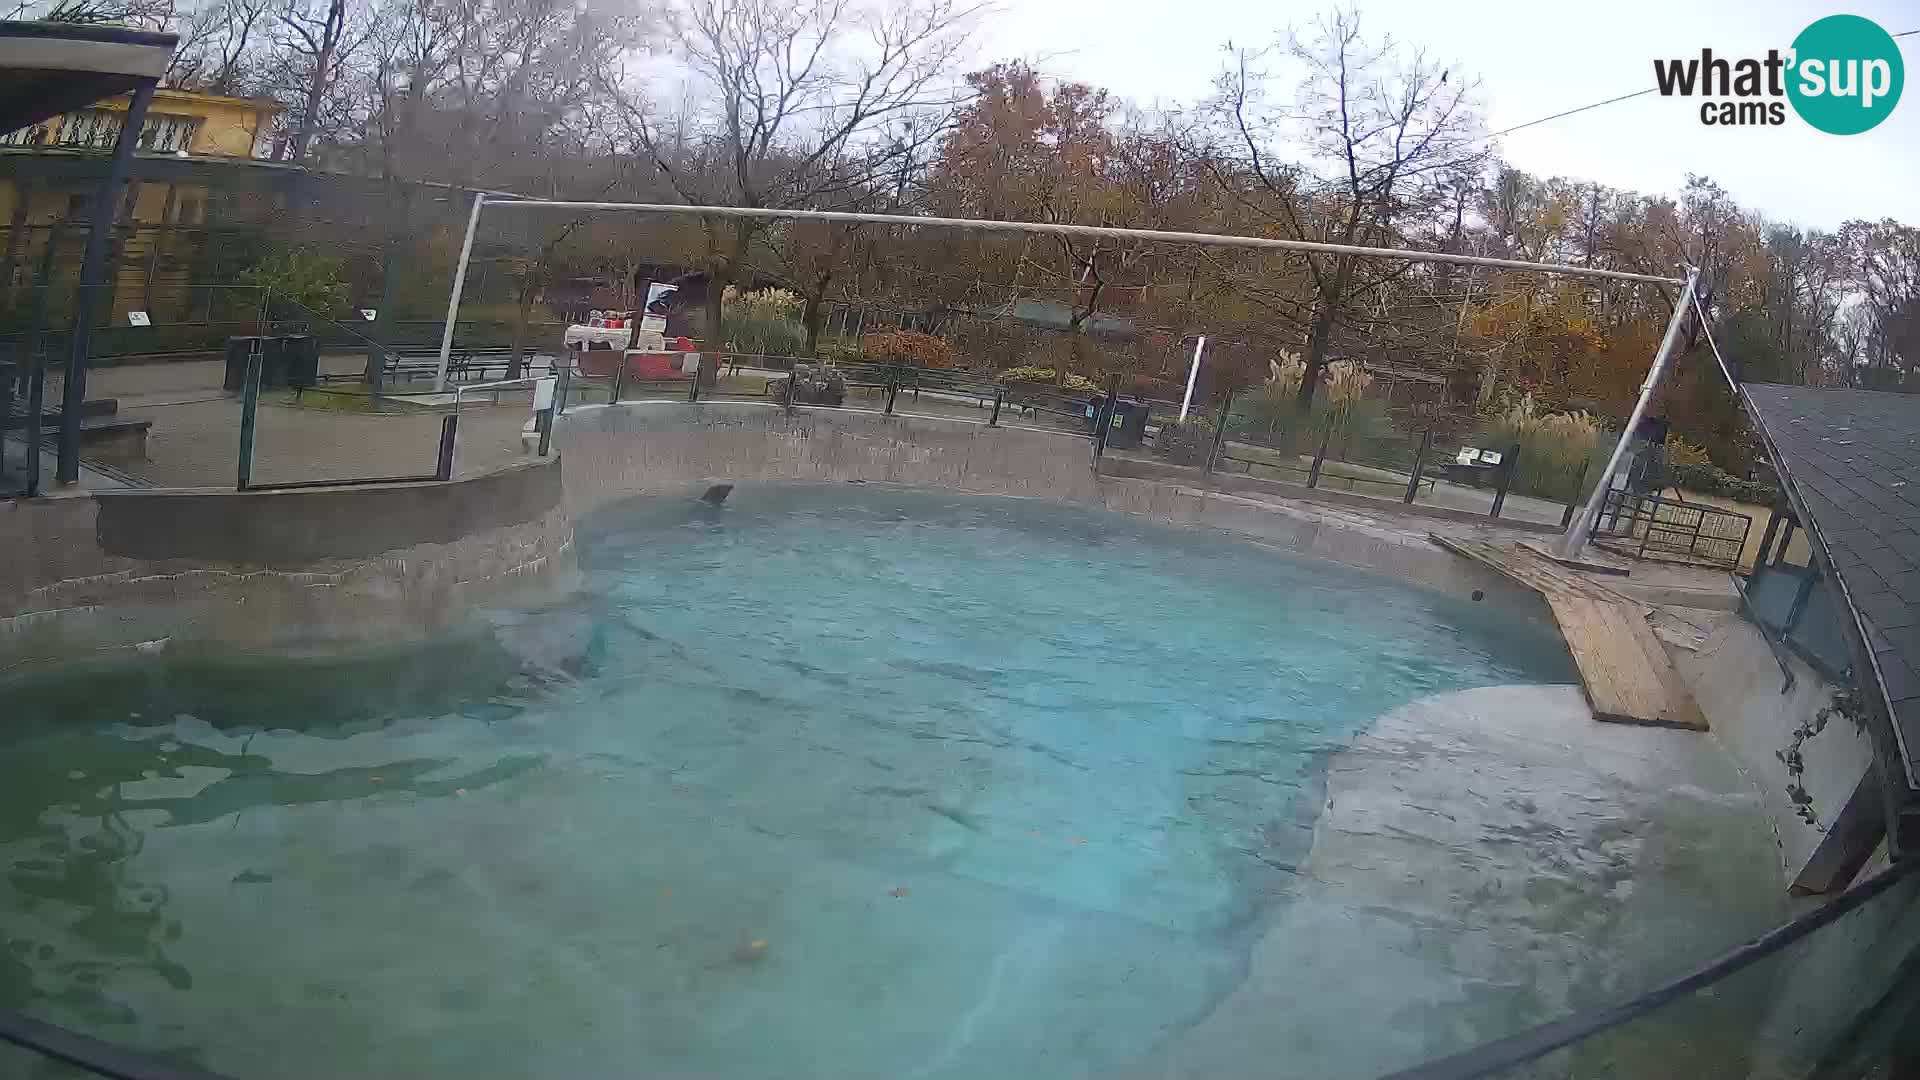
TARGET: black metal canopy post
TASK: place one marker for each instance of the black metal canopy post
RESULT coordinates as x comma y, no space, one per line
106,208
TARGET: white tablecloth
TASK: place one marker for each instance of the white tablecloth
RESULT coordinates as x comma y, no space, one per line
647,341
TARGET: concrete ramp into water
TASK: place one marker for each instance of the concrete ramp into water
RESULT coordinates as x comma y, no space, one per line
1491,859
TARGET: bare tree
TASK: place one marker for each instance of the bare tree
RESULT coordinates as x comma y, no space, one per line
317,35
798,105
219,46
145,14
1382,132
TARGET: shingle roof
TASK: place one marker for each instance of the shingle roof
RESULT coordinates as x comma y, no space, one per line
1851,459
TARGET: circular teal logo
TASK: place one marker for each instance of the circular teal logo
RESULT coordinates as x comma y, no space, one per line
1846,74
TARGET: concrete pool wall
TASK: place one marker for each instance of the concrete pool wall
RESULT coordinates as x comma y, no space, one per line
95,574
330,571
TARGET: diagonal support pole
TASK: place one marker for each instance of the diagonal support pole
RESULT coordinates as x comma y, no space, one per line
1581,530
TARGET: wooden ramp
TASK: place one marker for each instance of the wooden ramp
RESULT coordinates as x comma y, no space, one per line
1624,669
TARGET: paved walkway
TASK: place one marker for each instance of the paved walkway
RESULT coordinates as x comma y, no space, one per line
195,438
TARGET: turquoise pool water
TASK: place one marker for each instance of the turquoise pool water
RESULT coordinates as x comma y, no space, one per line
827,782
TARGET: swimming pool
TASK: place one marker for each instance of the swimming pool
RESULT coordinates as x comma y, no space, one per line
828,781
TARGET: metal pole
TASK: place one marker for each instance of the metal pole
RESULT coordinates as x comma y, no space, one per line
249,407
1582,528
1506,479
999,395
1103,416
1053,229
1760,559
453,300
1419,463
34,362
449,428
1580,485
1319,459
1193,373
1219,432
106,209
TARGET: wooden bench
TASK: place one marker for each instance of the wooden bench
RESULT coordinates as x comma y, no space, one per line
414,363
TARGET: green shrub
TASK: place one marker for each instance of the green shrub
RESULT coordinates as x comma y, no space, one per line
1354,427
764,335
1711,480
1185,442
1026,374
1555,448
1078,384
299,281
763,304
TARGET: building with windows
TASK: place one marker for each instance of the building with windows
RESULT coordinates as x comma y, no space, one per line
190,150
179,121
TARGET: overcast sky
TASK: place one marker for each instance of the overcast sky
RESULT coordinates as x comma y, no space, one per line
1535,59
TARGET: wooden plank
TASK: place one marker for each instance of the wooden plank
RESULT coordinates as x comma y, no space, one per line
1620,684
1625,671
1680,710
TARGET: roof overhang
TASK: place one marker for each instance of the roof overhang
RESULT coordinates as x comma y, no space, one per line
1847,460
49,68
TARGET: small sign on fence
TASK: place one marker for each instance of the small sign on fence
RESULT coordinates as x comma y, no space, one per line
138,318
369,314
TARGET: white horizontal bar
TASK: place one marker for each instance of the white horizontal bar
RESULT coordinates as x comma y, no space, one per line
1211,239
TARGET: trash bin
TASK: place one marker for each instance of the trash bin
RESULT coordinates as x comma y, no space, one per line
300,359
239,353
1130,425
1126,428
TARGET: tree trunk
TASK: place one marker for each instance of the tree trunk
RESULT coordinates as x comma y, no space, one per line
1322,336
516,365
310,110
814,317
317,86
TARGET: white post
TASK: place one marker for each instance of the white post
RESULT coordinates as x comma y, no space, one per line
453,301
1193,373
1582,528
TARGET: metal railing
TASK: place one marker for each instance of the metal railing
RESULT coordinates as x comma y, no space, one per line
1414,468
1655,527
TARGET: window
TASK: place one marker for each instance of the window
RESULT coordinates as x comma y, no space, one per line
99,129
33,135
90,128
165,133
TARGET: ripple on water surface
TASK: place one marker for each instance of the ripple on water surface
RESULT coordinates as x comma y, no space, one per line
824,782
